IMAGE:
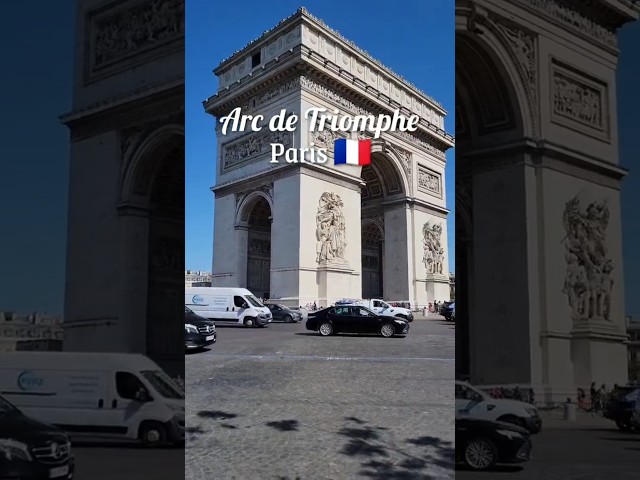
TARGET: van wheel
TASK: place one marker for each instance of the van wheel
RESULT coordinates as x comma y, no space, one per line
249,322
152,434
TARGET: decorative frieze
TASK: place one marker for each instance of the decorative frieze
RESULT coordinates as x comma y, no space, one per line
259,247
331,237
433,255
579,102
588,280
561,12
429,181
325,138
238,152
254,103
117,34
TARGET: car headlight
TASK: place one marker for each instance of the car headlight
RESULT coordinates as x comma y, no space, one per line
190,328
13,450
509,433
533,412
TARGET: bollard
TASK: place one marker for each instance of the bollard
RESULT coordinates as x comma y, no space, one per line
570,411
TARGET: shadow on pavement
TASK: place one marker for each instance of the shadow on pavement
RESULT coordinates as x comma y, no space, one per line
284,425
363,335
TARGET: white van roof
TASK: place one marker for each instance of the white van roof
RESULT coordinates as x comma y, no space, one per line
217,291
78,361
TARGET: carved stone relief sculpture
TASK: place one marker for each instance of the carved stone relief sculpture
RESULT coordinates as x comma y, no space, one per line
588,281
433,257
331,239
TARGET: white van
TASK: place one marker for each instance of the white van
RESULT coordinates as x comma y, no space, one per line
227,305
97,396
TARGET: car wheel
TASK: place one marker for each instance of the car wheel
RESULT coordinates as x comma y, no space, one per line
249,322
326,329
480,454
387,330
152,434
288,319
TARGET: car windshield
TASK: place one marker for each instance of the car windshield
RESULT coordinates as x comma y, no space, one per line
163,384
254,301
6,407
187,310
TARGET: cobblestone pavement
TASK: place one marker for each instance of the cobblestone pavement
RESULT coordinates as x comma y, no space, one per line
284,403
561,452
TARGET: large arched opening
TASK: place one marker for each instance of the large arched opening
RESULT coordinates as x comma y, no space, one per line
383,183
258,223
488,120
152,219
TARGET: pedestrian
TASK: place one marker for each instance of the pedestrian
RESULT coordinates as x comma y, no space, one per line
314,306
593,393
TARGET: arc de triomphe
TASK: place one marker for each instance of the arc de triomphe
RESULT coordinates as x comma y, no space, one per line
539,260
386,221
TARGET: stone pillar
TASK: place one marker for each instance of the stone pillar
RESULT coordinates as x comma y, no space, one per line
397,257
134,252
241,249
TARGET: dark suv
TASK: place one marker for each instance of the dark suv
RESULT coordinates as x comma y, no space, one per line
32,450
199,332
623,407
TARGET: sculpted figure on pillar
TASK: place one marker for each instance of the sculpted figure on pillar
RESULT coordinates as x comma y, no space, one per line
331,239
588,280
433,257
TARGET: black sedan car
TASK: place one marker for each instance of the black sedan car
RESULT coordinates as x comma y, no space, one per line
481,444
199,332
355,319
283,313
32,450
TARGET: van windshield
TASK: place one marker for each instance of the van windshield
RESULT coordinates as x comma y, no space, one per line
254,301
163,384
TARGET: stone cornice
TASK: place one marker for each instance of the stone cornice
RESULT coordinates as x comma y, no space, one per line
302,16
412,202
162,105
122,99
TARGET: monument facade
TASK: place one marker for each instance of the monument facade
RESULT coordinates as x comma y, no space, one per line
305,232
540,293
125,254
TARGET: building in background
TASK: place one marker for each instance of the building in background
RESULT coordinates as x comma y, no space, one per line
197,278
30,332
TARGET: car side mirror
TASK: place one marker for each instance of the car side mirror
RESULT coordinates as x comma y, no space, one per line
244,305
490,406
142,396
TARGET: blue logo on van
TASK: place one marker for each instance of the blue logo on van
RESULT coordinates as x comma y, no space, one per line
28,380
197,299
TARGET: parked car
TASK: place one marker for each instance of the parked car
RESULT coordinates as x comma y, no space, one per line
236,306
283,313
623,407
481,444
473,403
380,307
32,450
198,331
355,319
449,312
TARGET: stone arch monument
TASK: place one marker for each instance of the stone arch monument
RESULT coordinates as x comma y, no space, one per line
325,233
125,261
539,263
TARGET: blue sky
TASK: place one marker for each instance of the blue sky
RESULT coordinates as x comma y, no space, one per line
416,41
